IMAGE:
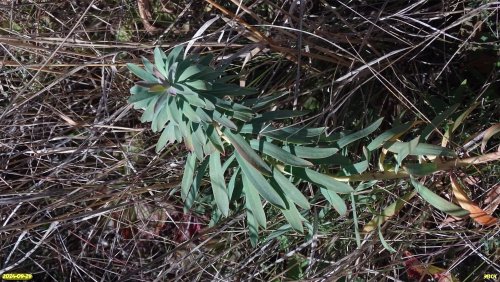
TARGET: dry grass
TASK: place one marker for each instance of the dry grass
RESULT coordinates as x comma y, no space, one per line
84,197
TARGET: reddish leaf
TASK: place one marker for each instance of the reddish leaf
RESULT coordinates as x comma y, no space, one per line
416,270
476,213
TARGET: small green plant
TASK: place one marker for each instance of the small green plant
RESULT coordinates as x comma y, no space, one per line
187,100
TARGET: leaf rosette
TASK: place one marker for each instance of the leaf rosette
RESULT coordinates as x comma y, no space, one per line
182,96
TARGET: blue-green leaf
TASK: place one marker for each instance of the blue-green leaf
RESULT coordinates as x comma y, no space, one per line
173,57
247,153
148,66
420,149
294,134
254,202
141,73
260,183
160,59
263,102
195,187
387,135
174,109
321,179
404,151
293,217
337,203
149,112
187,177
198,139
167,136
218,184
162,116
311,152
277,115
276,152
223,120
188,112
346,140
190,72
234,187
214,137
426,133
253,226
290,190
438,202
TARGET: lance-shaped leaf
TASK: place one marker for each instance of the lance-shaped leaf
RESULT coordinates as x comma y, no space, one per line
191,71
177,133
174,109
230,106
421,169
160,59
464,116
388,135
292,135
198,139
166,137
228,163
195,187
253,226
297,135
197,101
141,73
235,186
182,66
208,148
160,114
293,217
142,103
260,182
148,66
246,152
290,190
419,149
276,152
215,139
221,89
321,179
254,202
137,91
263,102
198,85
438,202
173,57
277,115
185,129
203,115
187,177
337,203
206,60
404,151
188,112
426,133
223,120
310,152
346,140
163,116
218,184
150,112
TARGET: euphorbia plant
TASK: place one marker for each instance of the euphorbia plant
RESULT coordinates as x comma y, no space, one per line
186,99
246,155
